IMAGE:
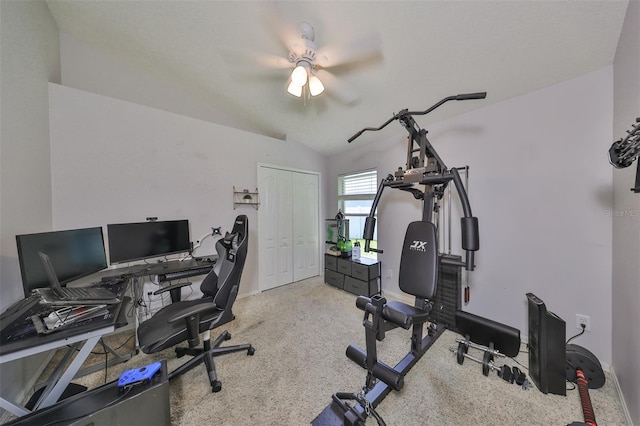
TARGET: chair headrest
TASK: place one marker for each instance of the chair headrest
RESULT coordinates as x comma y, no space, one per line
232,240
230,237
240,226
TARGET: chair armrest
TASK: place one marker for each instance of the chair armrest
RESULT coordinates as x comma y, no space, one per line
206,306
170,287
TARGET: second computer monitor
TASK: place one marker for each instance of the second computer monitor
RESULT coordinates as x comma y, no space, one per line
143,240
75,253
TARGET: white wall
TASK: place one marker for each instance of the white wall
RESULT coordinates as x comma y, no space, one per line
85,68
29,60
29,57
197,172
540,185
114,161
626,221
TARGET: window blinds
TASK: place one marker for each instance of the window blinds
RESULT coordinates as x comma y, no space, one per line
360,183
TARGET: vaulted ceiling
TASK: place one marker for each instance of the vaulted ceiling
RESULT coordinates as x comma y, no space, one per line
429,50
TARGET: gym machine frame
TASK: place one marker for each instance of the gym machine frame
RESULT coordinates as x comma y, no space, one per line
423,167
428,169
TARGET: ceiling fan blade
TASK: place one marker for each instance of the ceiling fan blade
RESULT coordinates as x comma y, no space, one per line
243,57
364,48
286,31
344,92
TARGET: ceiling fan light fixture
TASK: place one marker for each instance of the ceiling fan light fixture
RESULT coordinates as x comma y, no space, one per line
300,74
315,86
294,89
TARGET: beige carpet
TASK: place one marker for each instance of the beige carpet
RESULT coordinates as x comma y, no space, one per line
300,332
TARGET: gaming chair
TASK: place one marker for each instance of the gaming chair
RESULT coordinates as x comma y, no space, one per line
185,320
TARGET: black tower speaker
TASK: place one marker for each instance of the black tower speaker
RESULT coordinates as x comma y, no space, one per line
547,348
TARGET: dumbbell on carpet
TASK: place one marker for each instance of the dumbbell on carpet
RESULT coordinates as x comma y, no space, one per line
466,344
487,363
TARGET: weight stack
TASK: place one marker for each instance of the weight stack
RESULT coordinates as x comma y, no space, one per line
448,299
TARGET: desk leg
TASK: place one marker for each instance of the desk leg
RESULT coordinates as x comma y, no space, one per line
51,396
57,373
18,410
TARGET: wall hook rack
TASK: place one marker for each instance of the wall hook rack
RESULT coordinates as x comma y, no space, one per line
246,197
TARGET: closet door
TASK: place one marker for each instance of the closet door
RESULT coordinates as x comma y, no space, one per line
305,226
284,217
288,222
276,233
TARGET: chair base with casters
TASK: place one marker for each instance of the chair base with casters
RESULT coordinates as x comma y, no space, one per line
206,354
185,321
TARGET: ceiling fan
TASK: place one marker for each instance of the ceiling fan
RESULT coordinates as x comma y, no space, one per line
309,63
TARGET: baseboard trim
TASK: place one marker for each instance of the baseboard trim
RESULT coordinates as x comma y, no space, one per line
625,409
249,293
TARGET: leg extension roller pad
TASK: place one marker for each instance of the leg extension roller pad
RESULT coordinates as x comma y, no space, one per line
380,370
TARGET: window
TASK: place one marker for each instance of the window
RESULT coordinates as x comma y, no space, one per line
356,192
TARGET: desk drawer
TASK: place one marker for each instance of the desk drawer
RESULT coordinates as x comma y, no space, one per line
344,266
361,288
333,278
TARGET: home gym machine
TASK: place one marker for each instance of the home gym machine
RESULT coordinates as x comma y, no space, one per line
418,273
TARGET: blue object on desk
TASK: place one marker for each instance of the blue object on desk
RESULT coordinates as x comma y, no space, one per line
140,375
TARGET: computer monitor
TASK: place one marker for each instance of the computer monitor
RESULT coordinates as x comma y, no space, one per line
74,253
143,240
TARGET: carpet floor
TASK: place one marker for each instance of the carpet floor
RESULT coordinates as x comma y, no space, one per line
301,331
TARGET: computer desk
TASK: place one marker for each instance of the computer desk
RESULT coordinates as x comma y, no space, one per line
164,271
19,340
83,339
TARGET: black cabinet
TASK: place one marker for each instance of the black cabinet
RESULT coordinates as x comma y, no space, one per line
357,276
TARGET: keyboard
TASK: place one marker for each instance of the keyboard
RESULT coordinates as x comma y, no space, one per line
185,273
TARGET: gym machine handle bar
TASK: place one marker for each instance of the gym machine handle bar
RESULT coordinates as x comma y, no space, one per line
461,97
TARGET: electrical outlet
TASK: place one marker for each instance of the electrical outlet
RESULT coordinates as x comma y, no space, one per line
389,274
583,319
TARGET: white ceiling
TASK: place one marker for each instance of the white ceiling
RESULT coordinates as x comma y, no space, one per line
430,50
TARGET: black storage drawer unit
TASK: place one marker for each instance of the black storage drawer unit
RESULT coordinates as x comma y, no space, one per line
331,262
334,278
344,265
363,288
355,276
365,269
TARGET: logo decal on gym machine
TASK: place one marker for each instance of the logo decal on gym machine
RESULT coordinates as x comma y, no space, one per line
418,246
